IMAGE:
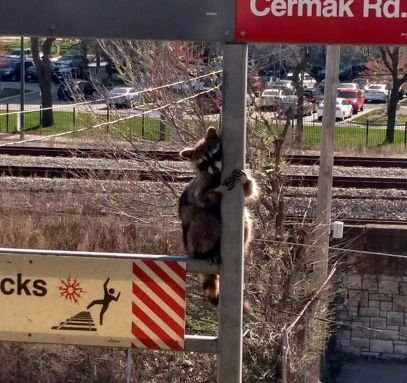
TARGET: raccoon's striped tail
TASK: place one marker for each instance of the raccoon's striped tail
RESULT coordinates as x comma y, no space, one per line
210,285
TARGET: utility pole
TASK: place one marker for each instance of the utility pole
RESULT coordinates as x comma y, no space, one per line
323,211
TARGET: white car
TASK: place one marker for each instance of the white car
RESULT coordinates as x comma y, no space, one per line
348,85
343,109
377,92
308,82
270,98
124,96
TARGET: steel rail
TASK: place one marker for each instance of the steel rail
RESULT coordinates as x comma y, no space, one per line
295,159
148,175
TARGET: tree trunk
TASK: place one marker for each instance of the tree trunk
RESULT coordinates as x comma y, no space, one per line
44,73
391,115
299,132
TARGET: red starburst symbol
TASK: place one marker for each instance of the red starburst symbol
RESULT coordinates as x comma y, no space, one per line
71,290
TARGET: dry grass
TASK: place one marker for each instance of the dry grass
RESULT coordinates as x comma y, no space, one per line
68,216
37,229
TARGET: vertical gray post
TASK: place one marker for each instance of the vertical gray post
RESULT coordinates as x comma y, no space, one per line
323,210
129,365
22,88
231,274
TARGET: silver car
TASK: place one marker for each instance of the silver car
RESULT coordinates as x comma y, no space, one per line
377,92
124,96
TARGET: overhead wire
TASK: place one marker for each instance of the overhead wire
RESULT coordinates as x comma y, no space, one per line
341,323
363,252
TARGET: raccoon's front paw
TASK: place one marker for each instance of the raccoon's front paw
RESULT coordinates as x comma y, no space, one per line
239,175
229,183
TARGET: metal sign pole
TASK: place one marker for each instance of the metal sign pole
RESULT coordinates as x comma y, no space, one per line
22,88
323,211
231,275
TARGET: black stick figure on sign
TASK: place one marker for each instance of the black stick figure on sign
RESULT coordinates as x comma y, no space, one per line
105,302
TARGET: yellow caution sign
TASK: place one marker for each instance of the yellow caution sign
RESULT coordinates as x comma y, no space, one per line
92,301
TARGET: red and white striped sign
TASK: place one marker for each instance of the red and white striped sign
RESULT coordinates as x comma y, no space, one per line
158,304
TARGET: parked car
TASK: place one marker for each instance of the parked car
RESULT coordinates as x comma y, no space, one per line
348,85
282,83
31,74
362,82
311,95
71,90
123,96
355,96
343,109
377,92
10,70
16,53
308,82
291,101
271,97
209,102
70,66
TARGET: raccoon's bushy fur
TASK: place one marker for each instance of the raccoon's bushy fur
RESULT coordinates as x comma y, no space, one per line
199,205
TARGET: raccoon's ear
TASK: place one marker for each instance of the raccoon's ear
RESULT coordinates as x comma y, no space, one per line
186,153
211,133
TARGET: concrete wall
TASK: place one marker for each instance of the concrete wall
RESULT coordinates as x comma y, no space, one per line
372,295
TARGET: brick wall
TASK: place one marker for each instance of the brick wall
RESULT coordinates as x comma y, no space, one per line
378,302
372,293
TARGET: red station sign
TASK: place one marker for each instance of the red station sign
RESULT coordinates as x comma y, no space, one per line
322,21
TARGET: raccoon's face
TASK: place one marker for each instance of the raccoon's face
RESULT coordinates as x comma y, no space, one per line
206,156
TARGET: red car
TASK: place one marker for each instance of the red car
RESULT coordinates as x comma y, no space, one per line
356,97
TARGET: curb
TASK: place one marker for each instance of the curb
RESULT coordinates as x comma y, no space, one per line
30,93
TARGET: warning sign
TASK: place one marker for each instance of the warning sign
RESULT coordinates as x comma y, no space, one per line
92,301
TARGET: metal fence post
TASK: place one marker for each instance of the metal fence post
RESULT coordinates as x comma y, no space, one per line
231,269
74,118
367,133
405,135
7,116
107,117
162,127
143,121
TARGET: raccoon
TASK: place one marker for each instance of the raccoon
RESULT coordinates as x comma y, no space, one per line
199,205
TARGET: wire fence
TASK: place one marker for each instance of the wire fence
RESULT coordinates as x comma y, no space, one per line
152,125
348,134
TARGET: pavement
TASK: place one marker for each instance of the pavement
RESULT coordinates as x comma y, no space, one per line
372,372
31,89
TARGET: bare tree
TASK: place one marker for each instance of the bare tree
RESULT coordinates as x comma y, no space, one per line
391,67
301,61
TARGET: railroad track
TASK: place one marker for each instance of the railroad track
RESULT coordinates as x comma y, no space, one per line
147,175
159,155
381,162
